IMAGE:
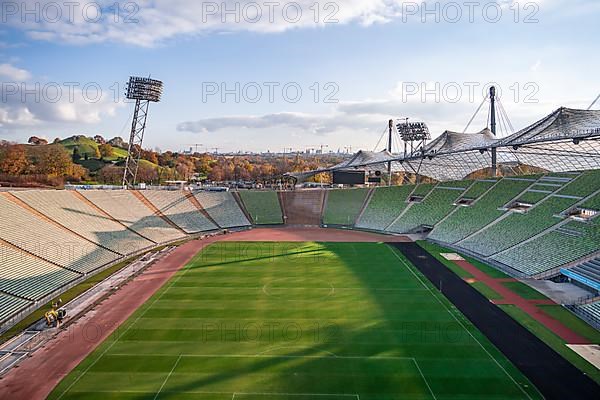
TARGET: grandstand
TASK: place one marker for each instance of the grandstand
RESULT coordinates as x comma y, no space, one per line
76,214
435,206
222,208
514,227
125,207
343,207
385,205
50,241
175,205
465,221
589,312
262,206
29,277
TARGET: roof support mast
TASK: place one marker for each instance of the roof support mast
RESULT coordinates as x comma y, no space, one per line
493,128
391,127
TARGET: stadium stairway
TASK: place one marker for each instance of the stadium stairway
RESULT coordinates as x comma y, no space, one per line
303,207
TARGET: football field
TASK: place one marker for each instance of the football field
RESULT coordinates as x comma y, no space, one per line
296,321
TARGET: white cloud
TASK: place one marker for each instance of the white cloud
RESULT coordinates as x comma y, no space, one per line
12,73
149,22
316,124
28,103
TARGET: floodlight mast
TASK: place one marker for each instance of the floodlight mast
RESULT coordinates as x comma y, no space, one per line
493,128
143,91
411,133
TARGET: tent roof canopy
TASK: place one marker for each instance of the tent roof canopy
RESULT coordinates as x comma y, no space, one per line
565,140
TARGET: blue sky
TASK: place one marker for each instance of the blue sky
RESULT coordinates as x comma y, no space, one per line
374,62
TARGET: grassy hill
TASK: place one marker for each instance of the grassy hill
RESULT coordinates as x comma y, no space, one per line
88,146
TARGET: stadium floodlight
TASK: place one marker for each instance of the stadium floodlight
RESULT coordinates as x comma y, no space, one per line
143,91
413,134
413,131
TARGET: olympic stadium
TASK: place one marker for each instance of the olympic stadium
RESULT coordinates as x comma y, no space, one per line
478,277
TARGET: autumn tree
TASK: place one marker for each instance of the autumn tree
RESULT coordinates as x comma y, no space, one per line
54,161
106,150
111,175
13,160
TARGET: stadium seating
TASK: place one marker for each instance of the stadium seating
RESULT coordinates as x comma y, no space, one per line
430,211
263,207
560,246
179,209
27,276
478,188
222,208
385,205
23,229
423,190
583,186
592,203
533,196
130,211
589,312
517,227
75,214
465,221
10,305
343,206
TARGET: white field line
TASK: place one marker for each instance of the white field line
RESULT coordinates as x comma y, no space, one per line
134,391
121,335
167,377
266,356
433,293
424,379
296,394
296,288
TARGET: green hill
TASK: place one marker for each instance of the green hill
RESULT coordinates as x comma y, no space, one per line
88,146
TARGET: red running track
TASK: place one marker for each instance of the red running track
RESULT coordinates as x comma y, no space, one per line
528,306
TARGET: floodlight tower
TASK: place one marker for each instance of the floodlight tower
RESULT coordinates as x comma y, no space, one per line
143,91
413,133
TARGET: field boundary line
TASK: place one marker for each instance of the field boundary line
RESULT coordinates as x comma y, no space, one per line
424,379
434,294
167,378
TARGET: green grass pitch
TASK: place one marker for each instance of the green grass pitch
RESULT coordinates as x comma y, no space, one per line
296,321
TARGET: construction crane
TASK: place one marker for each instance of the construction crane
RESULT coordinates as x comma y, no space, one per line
196,145
317,146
